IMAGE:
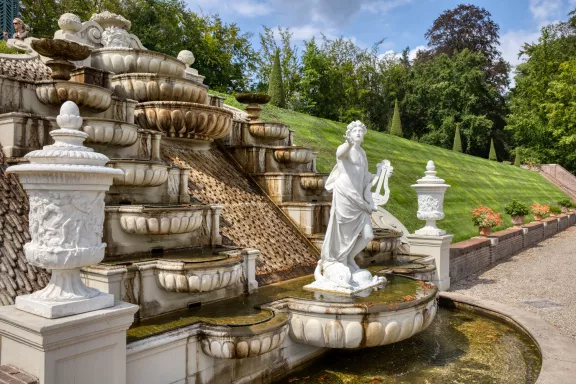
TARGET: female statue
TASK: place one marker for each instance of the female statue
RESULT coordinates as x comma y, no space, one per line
349,229
20,30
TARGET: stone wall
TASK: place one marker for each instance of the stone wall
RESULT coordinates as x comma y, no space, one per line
469,256
561,177
473,255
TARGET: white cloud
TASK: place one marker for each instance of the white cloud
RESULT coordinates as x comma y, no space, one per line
244,8
545,11
512,42
250,8
383,6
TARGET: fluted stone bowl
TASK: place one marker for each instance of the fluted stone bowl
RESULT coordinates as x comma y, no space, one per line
253,98
110,132
56,92
269,131
184,120
61,49
294,155
151,87
130,60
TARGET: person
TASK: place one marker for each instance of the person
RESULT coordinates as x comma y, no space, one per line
20,30
349,228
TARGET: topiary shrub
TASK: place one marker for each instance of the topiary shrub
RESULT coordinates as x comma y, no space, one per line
396,128
457,146
492,155
276,85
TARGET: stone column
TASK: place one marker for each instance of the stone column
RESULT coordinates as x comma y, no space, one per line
438,248
216,211
184,196
155,146
250,257
67,332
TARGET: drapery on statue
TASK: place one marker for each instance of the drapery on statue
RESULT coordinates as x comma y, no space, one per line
20,30
349,229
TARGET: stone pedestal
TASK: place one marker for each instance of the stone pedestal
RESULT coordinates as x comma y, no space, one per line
88,348
437,247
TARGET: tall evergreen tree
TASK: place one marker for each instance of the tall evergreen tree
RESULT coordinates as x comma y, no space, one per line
457,140
492,155
396,128
517,158
276,85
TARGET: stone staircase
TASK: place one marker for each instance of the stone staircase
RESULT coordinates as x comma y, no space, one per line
560,177
285,171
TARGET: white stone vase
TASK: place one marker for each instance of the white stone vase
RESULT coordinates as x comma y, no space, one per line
65,183
430,190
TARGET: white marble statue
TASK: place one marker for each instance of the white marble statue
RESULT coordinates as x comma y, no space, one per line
349,229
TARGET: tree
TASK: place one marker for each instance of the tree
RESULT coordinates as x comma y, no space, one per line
291,71
542,110
396,128
449,89
470,27
457,140
276,86
492,155
517,158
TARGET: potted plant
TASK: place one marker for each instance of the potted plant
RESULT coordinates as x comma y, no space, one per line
565,205
517,210
539,210
555,210
485,218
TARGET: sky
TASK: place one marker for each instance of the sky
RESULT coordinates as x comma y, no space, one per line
402,23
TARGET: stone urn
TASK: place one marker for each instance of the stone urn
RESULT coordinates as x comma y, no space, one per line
485,231
517,220
61,53
253,101
430,190
66,183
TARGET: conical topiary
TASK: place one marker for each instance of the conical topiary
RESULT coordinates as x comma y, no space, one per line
396,128
517,158
457,141
276,84
492,155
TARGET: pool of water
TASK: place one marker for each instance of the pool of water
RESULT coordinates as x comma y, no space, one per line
458,347
245,309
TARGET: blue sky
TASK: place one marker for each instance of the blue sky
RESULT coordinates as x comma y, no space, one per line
401,22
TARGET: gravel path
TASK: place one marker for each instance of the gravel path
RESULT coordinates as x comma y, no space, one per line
540,280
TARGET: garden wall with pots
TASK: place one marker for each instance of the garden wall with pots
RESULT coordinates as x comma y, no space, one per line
472,255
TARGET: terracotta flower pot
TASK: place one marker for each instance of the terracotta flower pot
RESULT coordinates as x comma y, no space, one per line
537,217
517,220
485,231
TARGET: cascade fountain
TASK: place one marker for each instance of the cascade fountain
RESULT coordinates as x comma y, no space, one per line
210,306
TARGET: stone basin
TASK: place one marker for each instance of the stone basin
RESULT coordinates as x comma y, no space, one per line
110,132
56,92
184,120
384,241
269,131
294,155
139,173
192,277
313,182
130,60
151,87
170,220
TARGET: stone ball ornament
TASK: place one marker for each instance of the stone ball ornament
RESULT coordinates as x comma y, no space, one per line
65,183
186,57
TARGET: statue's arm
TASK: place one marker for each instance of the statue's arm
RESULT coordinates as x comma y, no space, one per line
344,149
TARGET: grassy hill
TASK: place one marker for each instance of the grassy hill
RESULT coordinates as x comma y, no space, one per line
473,180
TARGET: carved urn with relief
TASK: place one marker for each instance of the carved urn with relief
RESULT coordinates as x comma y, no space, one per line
430,190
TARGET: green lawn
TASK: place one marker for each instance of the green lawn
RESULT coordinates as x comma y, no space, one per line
473,180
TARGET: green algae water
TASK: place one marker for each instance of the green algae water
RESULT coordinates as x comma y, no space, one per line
458,347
